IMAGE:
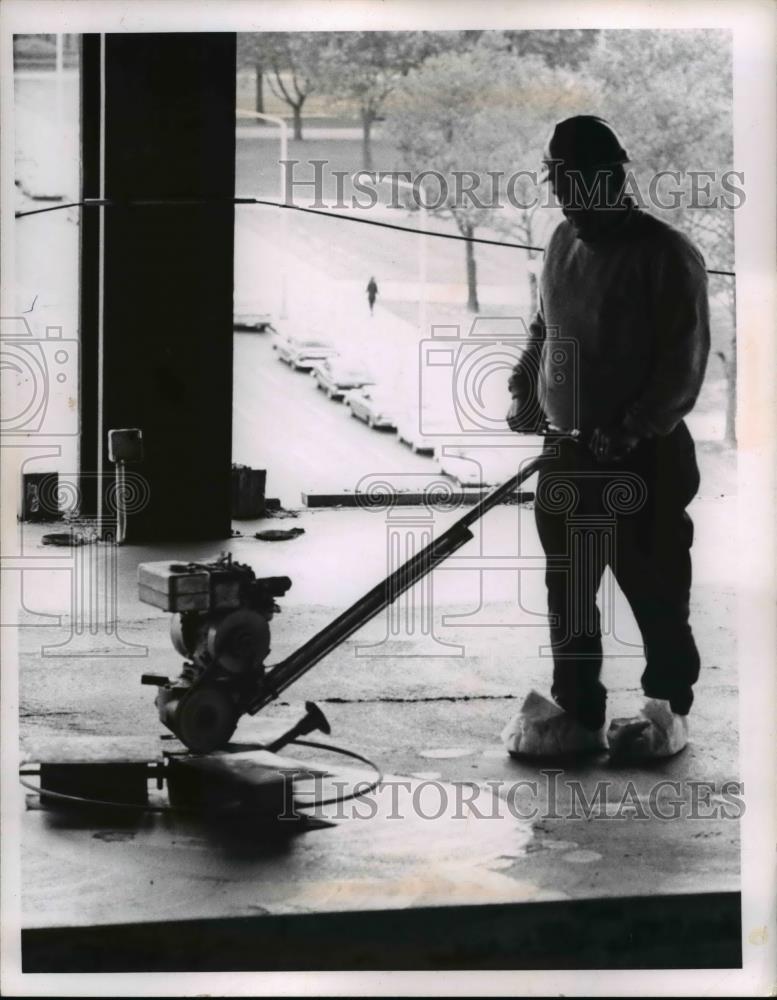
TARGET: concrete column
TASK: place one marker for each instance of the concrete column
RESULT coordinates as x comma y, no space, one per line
157,280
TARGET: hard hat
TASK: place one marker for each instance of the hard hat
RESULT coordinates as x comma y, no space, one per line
580,143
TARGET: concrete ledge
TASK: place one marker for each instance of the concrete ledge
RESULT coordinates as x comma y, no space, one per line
399,498
637,932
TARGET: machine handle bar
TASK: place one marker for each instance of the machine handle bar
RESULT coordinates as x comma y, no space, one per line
284,673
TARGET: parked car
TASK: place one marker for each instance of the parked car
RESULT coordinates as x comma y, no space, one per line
422,432
335,376
302,352
276,336
252,322
315,365
374,406
483,466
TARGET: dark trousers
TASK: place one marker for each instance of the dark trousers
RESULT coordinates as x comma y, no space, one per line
628,515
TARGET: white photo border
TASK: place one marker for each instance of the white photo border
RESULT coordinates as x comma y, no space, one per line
752,557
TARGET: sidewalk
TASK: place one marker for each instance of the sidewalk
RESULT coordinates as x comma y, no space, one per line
315,303
247,130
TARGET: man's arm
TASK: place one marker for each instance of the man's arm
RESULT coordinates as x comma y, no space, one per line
525,413
683,343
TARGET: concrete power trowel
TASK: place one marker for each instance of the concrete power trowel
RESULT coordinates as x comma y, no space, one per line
221,626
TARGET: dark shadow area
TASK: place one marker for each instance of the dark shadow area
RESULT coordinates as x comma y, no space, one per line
667,932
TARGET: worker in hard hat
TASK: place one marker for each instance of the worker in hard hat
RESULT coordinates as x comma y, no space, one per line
615,360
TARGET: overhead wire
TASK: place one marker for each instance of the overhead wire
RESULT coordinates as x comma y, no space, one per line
146,202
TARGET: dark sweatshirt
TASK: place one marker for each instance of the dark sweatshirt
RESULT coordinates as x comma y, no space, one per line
622,332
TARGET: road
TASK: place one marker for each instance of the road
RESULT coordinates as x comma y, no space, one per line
284,424
348,253
353,251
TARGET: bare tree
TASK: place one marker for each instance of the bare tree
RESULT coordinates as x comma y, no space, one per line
289,62
363,68
559,48
251,54
478,112
670,95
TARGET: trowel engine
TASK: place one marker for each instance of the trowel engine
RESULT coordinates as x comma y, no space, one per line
220,625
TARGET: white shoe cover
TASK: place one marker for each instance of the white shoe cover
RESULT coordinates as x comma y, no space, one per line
655,733
542,729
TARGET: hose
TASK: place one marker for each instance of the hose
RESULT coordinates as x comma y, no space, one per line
344,753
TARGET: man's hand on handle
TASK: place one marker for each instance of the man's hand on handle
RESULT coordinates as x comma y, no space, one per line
611,444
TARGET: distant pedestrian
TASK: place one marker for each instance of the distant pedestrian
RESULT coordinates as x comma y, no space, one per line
372,293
